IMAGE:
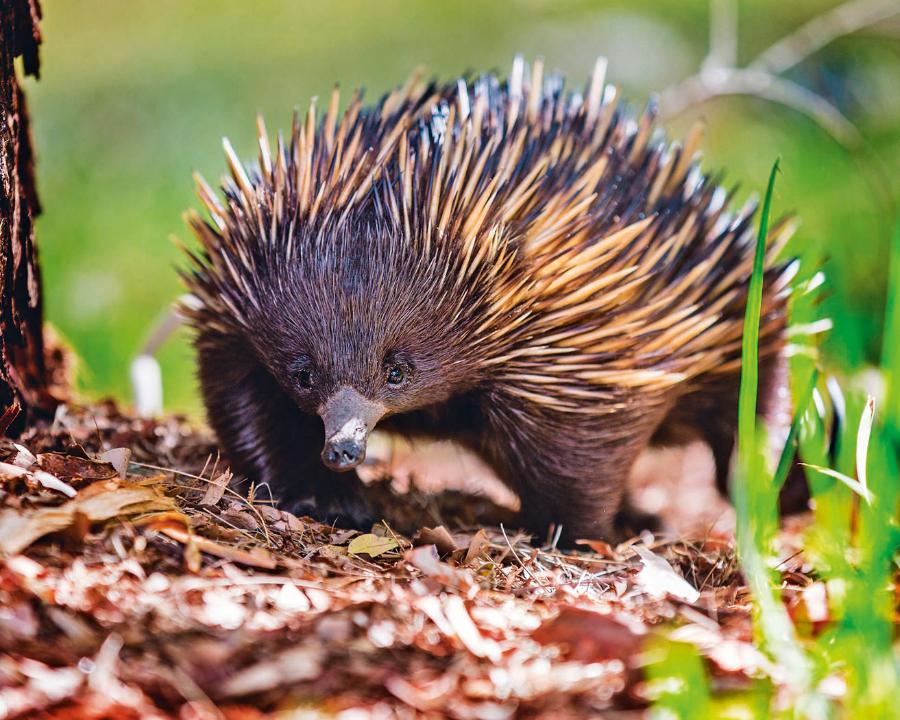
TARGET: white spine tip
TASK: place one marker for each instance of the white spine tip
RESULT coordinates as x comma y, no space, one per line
516,77
462,91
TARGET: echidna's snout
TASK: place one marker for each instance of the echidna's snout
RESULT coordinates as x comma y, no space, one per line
344,454
349,418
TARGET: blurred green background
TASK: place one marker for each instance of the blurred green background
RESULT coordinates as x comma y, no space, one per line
134,96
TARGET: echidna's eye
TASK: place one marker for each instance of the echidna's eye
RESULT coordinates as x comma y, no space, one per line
396,375
302,370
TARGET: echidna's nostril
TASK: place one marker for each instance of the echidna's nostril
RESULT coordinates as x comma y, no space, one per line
343,454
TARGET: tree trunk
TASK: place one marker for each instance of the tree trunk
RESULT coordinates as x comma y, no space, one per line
24,380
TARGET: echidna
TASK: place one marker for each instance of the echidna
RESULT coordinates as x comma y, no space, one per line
530,271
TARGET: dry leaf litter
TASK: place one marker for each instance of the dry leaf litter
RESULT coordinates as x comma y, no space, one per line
137,580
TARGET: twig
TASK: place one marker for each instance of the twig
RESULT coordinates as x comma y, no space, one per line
528,573
227,490
723,34
720,82
719,76
845,19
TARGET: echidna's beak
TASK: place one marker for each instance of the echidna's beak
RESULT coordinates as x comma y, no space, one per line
349,418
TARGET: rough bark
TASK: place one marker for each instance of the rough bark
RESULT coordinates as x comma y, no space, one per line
24,380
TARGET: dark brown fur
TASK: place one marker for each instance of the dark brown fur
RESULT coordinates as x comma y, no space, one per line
441,260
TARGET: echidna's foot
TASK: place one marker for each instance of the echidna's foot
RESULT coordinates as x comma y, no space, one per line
564,533
568,530
339,500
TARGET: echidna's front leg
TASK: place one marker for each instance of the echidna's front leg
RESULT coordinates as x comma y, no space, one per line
269,440
565,471
575,506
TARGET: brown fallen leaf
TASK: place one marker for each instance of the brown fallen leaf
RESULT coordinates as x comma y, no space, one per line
118,458
332,551
19,529
152,519
339,537
589,636
105,500
425,559
468,633
603,549
268,513
296,664
257,557
438,536
216,488
8,416
293,522
68,467
426,698
478,543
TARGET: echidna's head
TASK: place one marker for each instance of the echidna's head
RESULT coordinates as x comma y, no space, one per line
358,329
368,273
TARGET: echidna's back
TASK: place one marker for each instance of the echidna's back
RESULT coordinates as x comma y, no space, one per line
636,266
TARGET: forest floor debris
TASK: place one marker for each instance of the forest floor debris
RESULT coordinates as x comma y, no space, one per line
136,582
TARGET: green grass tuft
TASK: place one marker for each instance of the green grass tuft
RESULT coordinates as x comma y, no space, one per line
852,544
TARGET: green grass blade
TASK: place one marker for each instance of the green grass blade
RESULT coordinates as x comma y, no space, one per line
890,353
750,345
678,682
756,497
790,445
